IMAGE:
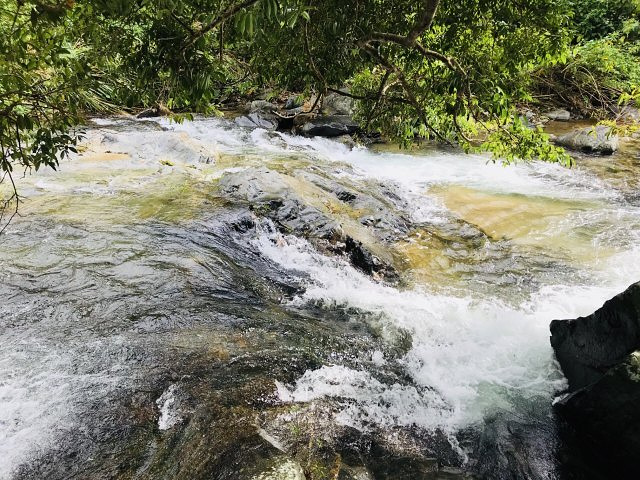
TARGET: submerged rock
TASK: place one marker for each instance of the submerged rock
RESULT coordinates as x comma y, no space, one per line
513,446
599,139
301,204
588,346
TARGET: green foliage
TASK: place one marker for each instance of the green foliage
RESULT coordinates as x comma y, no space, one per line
597,76
41,83
596,19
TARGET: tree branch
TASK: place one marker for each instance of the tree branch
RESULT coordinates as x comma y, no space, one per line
425,22
228,13
407,88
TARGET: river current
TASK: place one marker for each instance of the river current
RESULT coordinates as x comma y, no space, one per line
153,319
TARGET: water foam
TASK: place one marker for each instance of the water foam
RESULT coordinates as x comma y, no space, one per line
469,355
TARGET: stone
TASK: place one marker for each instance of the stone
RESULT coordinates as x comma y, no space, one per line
347,141
261,106
288,202
330,126
600,356
606,416
336,104
267,121
559,115
589,346
294,101
285,469
629,114
514,446
598,140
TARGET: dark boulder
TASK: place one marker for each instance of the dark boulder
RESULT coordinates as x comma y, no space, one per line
606,417
600,356
589,346
330,126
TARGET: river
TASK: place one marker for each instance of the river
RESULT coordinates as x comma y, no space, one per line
163,316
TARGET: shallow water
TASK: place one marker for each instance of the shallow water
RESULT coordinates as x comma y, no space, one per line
127,280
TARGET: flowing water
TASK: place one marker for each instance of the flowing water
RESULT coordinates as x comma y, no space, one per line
157,322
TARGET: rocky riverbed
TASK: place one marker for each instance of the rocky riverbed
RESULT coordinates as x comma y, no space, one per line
219,300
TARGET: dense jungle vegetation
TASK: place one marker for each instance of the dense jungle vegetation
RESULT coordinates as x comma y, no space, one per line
454,71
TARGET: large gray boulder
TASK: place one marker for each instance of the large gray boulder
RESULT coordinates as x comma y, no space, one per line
589,346
268,121
599,140
336,104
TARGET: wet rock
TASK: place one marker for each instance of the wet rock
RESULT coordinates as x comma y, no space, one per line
357,473
347,140
599,140
284,469
297,211
606,416
265,120
330,126
514,447
296,217
327,449
336,104
589,346
361,258
560,115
